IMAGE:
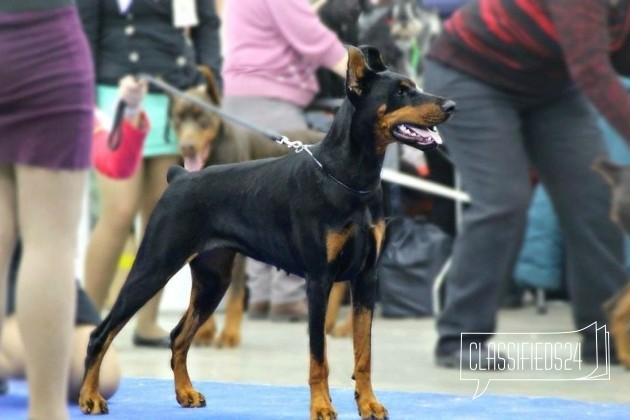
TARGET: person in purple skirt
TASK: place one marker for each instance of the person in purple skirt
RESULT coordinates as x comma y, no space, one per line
46,107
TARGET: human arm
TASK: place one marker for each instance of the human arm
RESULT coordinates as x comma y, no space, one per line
583,34
302,28
206,38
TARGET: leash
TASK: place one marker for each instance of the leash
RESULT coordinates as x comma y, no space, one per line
297,145
203,104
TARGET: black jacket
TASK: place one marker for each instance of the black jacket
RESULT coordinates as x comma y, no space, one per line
144,39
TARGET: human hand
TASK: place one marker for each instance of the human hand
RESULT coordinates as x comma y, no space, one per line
132,91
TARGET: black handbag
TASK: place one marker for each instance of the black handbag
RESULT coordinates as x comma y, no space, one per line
413,254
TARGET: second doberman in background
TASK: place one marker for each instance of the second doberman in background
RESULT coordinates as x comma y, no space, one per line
618,308
317,213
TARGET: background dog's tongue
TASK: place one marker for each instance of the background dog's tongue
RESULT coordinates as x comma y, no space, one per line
193,164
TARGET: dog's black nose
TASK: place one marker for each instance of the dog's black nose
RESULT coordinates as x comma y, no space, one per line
448,106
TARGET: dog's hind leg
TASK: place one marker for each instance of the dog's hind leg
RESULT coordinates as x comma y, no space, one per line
343,329
231,334
363,300
139,287
318,290
161,254
210,279
90,399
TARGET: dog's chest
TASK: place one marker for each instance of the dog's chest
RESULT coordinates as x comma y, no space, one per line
354,247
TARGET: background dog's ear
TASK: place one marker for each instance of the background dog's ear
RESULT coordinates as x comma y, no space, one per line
212,89
373,57
609,170
358,70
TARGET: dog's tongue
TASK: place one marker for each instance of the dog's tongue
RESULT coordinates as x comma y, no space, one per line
193,163
421,136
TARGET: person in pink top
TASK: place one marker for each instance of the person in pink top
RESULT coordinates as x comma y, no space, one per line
272,51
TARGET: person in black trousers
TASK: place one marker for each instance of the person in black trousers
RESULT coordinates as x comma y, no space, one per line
524,98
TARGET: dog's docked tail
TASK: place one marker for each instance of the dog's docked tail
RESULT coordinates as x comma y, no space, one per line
173,172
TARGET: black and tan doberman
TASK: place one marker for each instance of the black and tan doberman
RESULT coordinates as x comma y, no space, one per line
317,213
205,138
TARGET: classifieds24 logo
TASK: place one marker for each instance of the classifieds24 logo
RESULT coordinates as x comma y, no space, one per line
531,356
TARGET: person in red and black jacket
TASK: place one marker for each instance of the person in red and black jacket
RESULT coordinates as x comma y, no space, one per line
524,74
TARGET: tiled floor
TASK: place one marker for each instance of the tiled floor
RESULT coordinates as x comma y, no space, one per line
277,353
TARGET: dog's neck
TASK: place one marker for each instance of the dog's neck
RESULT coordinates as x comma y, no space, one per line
348,141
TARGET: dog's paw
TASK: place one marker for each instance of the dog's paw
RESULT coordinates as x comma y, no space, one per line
92,404
229,339
323,413
190,398
372,410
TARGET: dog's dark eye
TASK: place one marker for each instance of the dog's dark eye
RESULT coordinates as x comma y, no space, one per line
401,91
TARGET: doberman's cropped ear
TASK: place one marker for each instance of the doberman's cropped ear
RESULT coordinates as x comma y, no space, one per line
358,72
373,57
609,170
212,88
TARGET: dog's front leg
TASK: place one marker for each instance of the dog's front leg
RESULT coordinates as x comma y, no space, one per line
318,290
363,300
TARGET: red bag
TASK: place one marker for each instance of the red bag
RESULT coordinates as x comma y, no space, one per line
121,161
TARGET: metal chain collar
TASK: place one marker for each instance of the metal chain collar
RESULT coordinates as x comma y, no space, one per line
297,145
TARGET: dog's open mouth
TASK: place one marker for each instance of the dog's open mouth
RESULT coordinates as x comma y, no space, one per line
196,160
193,163
423,138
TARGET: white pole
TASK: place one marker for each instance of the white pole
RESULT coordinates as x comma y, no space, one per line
416,183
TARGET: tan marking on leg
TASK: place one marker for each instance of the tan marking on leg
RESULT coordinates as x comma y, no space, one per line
186,395
321,406
367,404
90,399
378,230
335,240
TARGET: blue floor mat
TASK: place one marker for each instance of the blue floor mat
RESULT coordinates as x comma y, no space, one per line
147,398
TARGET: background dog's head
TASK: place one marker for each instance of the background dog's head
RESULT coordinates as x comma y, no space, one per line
196,128
412,23
403,30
